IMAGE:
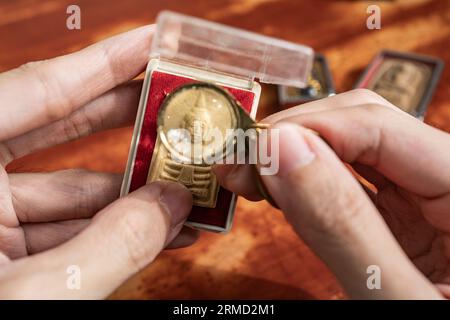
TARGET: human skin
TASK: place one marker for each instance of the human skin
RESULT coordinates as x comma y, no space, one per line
51,221
403,226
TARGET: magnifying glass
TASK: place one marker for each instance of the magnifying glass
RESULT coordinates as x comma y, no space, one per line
197,123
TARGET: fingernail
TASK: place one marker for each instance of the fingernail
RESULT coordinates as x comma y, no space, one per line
177,200
294,150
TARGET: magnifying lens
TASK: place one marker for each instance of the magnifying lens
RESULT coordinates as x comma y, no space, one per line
197,122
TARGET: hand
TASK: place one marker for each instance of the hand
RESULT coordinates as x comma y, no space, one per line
50,221
406,160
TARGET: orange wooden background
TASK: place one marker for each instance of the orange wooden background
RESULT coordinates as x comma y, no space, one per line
261,257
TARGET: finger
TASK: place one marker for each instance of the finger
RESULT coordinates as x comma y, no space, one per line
56,87
121,240
116,108
62,195
239,179
435,211
12,242
370,193
8,217
394,144
44,236
347,99
330,211
4,259
444,289
186,237
30,238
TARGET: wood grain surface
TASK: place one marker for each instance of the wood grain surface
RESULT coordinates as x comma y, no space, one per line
261,257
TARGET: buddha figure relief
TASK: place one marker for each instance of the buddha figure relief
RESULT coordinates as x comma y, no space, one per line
185,122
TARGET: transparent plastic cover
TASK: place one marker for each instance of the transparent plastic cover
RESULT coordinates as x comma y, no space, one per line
220,48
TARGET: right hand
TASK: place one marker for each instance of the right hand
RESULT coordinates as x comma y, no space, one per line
404,158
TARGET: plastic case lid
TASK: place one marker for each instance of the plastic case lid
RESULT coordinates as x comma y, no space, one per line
219,48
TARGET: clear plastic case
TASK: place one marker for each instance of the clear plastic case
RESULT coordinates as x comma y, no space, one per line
214,47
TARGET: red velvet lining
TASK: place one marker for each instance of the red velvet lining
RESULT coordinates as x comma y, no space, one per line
160,86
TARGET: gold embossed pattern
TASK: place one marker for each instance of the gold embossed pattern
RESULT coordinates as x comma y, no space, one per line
194,123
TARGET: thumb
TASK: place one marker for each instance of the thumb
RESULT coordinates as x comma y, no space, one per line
329,209
121,240
323,196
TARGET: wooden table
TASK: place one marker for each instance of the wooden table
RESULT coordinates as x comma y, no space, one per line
261,257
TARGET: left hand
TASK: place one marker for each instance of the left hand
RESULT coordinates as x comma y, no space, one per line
50,102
